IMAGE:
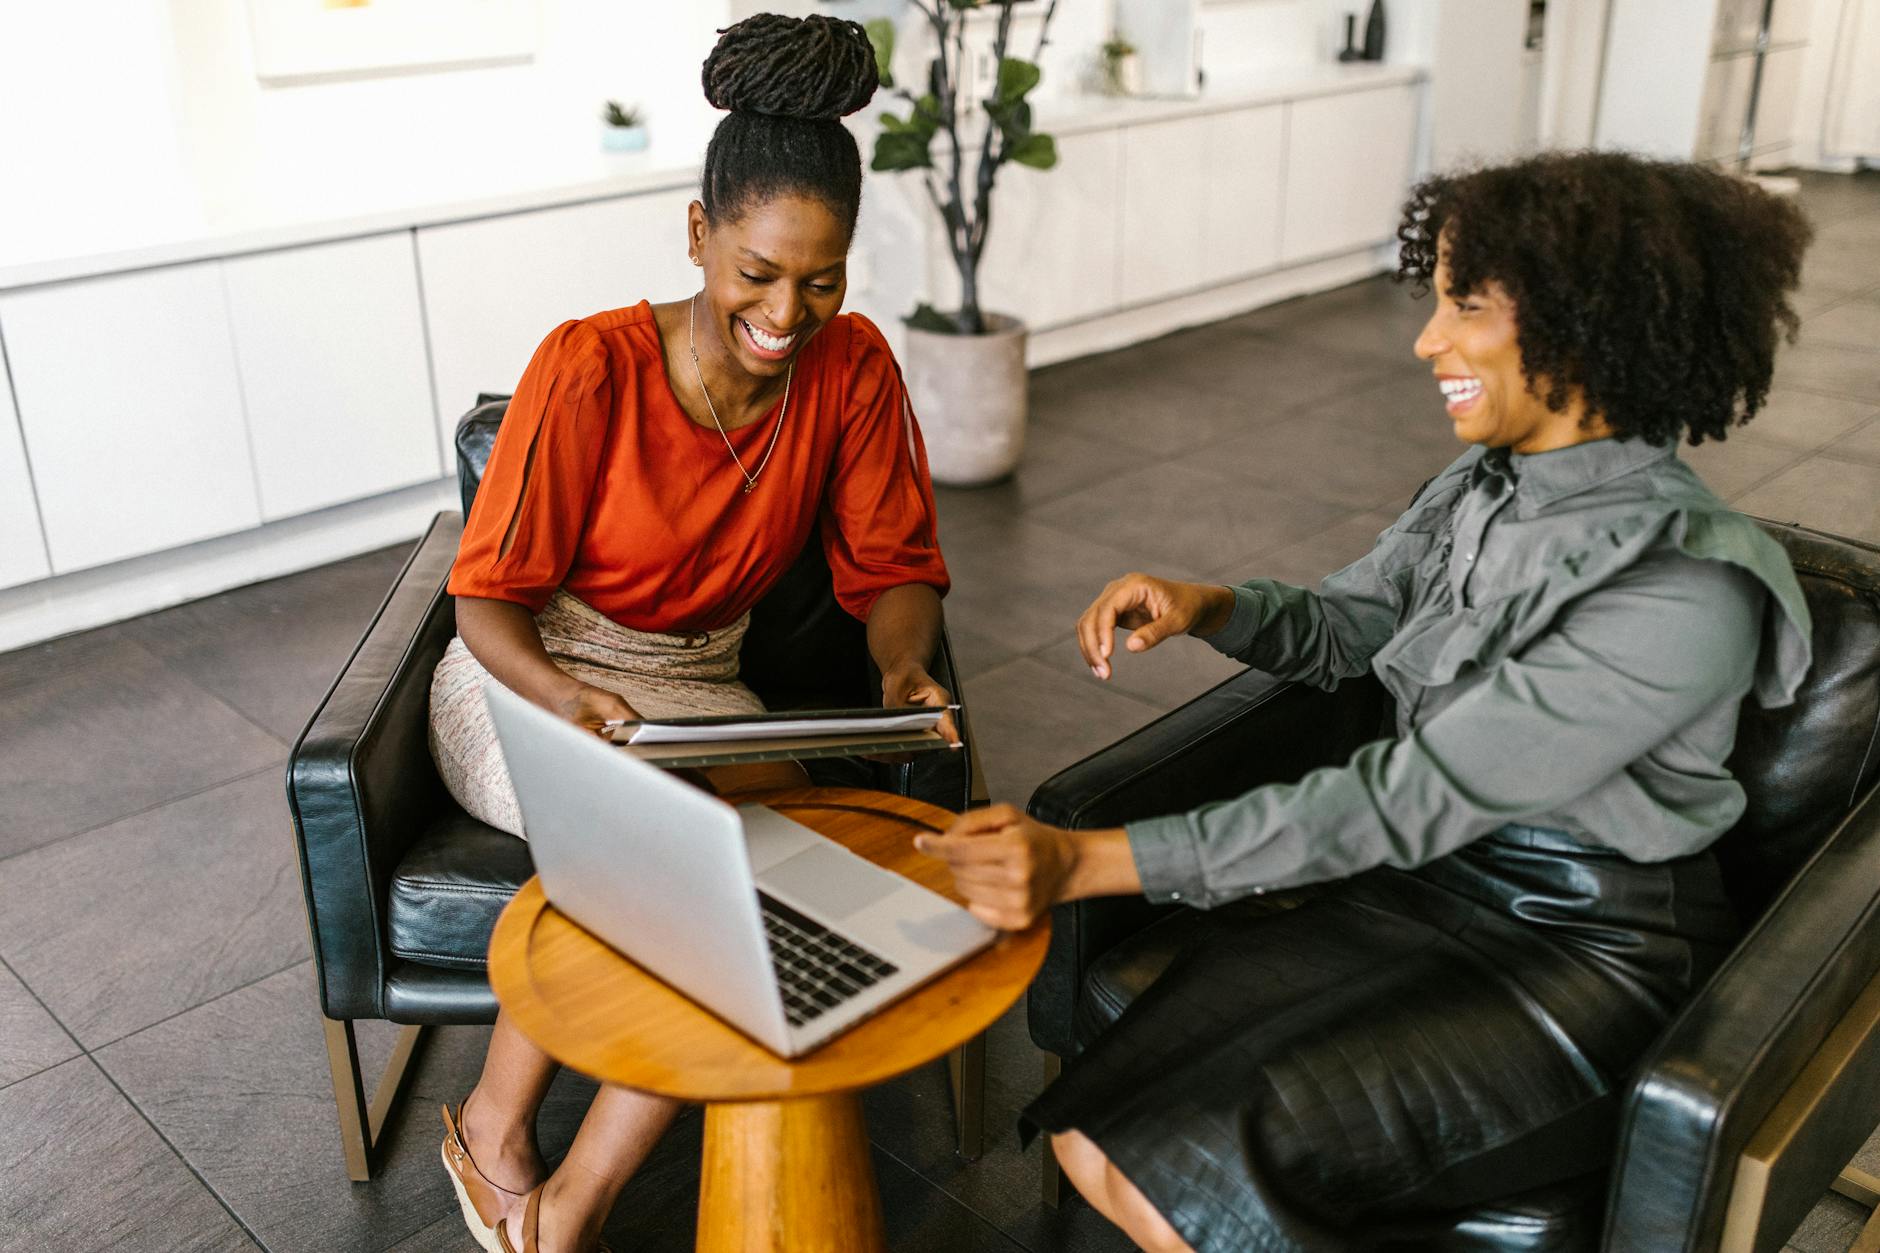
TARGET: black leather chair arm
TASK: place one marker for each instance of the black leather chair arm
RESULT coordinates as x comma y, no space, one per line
1250,730
1733,1052
360,784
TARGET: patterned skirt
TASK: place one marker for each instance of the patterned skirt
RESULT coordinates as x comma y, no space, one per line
660,675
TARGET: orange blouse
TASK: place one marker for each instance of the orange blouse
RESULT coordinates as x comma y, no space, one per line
638,511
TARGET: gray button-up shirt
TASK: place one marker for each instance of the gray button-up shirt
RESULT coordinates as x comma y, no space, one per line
1568,636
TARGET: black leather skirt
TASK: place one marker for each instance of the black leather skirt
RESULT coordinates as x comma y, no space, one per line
1292,1075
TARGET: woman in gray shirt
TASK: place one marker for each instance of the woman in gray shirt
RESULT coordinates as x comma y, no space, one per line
1492,913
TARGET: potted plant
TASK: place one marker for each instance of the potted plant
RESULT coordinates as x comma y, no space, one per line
965,366
1122,68
624,127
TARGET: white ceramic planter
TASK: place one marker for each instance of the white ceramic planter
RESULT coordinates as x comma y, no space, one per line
969,394
623,138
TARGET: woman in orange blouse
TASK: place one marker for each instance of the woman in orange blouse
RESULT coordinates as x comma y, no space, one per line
659,468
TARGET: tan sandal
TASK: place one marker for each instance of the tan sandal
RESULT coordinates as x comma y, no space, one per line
531,1227
483,1203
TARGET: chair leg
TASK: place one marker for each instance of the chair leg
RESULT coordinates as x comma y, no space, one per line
1051,1175
359,1121
966,1066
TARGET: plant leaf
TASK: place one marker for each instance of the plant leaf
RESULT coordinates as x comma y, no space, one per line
900,150
1016,77
881,36
927,318
1037,151
1013,120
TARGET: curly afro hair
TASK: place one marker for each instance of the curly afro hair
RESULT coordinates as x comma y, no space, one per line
1656,289
785,81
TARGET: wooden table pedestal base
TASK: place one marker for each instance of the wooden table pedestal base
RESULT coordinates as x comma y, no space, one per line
794,1174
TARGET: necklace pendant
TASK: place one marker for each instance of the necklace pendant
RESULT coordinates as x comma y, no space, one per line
748,486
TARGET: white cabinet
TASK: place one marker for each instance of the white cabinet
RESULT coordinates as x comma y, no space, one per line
1051,254
131,408
1347,167
1165,207
494,289
1246,158
331,344
22,543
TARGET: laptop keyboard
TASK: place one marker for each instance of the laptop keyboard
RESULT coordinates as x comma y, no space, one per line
817,969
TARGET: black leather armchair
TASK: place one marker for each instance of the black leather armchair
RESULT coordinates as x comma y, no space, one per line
1754,1097
403,887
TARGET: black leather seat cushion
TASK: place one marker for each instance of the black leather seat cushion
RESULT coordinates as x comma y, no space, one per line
450,887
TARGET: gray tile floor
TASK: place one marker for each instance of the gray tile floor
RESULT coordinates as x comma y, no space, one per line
162,1081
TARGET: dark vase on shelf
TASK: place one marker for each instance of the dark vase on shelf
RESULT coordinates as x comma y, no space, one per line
1351,51
1374,32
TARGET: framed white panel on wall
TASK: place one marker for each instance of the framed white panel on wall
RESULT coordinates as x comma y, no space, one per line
1348,161
1246,169
494,289
131,409
330,340
22,543
1165,206
1051,255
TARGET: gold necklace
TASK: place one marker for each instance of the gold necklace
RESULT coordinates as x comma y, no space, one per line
691,346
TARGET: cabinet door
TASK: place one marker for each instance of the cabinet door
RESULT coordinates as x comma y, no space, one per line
494,289
1347,169
1051,253
331,345
1165,208
22,543
1246,162
132,412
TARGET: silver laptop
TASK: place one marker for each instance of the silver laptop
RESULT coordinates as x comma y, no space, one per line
780,931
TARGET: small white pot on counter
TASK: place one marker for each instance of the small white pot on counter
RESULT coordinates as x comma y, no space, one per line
969,392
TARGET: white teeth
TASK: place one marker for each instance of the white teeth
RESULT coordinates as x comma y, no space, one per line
769,343
1459,389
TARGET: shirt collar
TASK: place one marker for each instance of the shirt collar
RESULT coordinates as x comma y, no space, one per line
1545,477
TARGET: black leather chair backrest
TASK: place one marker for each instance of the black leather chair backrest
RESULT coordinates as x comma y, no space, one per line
1804,765
802,646
360,779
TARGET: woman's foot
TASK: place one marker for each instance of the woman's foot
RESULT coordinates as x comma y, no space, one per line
485,1173
540,1225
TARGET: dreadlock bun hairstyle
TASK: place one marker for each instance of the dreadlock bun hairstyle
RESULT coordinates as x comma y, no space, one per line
1657,289
785,81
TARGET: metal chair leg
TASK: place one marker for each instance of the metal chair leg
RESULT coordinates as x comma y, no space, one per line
966,1067
1051,1175
359,1121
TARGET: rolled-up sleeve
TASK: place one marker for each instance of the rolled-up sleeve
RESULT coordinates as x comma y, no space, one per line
878,519
1623,668
526,523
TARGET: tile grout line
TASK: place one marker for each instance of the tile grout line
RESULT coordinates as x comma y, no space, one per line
187,1164
190,1009
147,809
958,1202
63,1029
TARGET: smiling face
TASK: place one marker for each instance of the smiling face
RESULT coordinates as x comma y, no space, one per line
774,276
1472,343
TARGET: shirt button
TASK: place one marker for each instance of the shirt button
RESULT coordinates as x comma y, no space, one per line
1259,891
1469,557
1174,896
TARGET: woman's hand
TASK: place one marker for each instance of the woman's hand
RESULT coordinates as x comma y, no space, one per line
1010,868
588,706
1155,609
912,685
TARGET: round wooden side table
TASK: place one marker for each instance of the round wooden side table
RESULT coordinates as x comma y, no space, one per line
786,1160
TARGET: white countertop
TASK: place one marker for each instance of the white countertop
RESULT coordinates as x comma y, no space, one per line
188,207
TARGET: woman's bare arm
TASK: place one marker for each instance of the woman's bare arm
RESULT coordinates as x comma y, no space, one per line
502,636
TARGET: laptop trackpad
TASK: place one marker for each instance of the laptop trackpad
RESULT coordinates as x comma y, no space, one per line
829,881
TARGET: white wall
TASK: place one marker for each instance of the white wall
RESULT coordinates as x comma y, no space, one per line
130,97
